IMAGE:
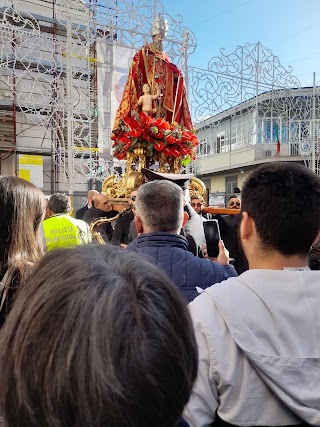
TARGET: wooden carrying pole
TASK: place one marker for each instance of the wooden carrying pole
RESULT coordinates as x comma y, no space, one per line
221,211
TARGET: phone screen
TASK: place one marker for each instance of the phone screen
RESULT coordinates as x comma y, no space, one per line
212,235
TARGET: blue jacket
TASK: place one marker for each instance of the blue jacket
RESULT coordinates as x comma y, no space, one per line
185,270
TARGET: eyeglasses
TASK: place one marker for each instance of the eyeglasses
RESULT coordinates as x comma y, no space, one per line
234,203
196,204
133,198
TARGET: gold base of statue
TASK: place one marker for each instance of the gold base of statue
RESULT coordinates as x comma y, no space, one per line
118,189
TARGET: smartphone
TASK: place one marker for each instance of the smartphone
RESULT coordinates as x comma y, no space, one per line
212,235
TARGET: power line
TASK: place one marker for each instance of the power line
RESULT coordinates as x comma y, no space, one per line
293,35
222,13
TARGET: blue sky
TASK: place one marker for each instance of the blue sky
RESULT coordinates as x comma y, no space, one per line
290,28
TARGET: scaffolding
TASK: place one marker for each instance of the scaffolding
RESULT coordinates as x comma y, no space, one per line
57,60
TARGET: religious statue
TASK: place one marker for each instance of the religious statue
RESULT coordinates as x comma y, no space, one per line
153,129
147,99
151,65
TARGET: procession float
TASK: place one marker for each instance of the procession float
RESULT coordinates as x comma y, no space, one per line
153,127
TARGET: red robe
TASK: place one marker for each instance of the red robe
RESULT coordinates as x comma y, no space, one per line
153,67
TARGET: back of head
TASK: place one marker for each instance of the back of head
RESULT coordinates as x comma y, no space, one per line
119,350
22,206
284,201
159,204
90,195
59,203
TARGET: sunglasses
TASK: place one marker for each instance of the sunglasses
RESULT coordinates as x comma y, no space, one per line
133,198
235,203
196,204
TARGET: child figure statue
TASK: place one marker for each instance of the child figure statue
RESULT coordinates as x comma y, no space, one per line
146,99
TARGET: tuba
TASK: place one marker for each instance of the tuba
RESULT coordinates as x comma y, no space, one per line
95,234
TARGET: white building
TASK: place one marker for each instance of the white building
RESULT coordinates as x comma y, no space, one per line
281,125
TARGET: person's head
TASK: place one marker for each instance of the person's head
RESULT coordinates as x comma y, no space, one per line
159,207
132,200
158,40
100,201
146,88
234,202
197,203
180,179
90,195
59,203
280,206
22,208
119,350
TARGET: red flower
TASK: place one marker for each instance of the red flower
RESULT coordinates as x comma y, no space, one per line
158,145
157,135
184,151
175,152
156,132
146,120
185,137
171,139
146,137
135,133
194,139
162,124
124,140
166,151
121,155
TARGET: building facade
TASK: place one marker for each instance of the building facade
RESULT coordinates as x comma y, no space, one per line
281,125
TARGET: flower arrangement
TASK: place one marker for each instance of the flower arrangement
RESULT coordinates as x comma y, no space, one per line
156,135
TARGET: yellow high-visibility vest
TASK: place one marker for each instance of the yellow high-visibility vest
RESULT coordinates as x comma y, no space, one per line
63,231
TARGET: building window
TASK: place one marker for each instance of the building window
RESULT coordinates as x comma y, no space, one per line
221,143
203,149
299,130
272,131
231,182
305,129
207,183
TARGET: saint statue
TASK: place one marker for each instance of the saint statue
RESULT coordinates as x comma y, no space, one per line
151,66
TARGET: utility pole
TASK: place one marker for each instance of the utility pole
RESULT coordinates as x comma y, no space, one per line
313,135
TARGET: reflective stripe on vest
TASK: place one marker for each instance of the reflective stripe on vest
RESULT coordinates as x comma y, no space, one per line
60,232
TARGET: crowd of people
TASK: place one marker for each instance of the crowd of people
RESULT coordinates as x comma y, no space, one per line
146,330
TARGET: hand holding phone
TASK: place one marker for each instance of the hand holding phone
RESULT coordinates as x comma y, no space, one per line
212,235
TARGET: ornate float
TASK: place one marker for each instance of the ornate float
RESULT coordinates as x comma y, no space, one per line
153,127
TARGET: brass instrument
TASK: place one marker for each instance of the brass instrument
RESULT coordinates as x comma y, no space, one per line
96,234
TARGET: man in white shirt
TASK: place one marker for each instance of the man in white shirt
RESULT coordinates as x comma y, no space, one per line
259,334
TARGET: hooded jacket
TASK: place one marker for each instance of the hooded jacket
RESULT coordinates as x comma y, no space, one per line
187,271
259,350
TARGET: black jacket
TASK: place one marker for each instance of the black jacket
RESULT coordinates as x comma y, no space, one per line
80,212
121,229
104,229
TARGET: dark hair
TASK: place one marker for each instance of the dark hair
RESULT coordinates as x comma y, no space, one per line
99,337
59,203
284,201
22,207
234,196
160,205
314,256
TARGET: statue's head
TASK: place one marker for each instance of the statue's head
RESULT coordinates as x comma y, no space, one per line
146,88
159,30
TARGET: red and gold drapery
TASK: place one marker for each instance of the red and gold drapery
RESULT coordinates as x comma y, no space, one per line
153,67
